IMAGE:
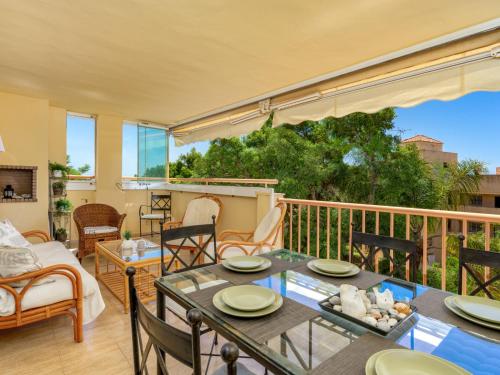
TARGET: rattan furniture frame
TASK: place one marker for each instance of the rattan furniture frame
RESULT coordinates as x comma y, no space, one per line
72,307
112,272
96,214
244,239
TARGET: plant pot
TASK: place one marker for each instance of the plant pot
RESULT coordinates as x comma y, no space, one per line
57,173
61,237
57,190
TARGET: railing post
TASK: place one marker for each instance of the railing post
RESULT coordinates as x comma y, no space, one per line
328,233
339,233
318,234
487,243
350,235
465,232
444,250
308,229
299,220
424,254
377,230
290,230
391,233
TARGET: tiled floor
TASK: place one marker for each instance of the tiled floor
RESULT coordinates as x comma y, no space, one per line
48,347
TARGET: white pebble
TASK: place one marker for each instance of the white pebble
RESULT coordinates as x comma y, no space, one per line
392,322
335,300
401,316
383,325
337,308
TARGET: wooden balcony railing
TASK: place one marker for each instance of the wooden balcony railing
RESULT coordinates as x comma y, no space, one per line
333,225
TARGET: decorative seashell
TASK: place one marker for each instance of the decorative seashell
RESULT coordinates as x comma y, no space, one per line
365,299
385,300
383,325
392,322
385,317
351,301
401,316
376,314
402,308
372,298
335,300
370,320
337,308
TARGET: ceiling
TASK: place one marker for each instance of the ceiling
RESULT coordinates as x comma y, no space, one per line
164,61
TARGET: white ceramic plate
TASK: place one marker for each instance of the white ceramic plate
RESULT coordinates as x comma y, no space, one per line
449,302
411,362
248,297
480,307
245,262
267,263
354,271
221,306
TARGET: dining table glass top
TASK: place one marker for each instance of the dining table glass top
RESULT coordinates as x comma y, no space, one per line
308,344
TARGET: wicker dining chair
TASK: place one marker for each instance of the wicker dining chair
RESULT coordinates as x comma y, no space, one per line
468,257
96,222
164,338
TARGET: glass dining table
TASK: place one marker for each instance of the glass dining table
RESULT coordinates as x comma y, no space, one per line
302,338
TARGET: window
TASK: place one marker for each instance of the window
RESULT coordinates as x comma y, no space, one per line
497,201
144,151
475,227
80,144
476,200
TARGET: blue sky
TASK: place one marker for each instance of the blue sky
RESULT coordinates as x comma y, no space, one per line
469,126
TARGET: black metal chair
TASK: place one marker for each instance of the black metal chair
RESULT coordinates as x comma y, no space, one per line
197,237
468,257
376,243
166,339
160,209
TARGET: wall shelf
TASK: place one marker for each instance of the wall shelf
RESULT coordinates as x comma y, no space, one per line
23,180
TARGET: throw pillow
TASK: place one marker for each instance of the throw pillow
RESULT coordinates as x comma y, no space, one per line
10,236
15,261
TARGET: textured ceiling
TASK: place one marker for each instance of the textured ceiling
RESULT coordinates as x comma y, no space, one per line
167,60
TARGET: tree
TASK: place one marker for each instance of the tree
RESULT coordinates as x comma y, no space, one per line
76,171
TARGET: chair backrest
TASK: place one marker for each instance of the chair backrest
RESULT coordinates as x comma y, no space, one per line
95,214
197,237
468,257
268,228
162,337
161,202
375,243
201,209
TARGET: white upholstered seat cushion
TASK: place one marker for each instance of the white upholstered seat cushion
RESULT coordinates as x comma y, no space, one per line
200,211
100,229
152,216
51,253
268,225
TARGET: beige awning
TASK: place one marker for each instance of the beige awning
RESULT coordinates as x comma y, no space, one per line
443,73
185,64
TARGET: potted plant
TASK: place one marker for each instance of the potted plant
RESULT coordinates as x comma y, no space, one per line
63,205
128,244
61,234
58,170
58,188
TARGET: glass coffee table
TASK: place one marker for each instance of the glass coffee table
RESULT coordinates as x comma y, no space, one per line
111,262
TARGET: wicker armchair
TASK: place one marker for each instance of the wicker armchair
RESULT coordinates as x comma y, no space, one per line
259,241
96,222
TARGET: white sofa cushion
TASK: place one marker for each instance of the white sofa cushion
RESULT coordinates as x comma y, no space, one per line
10,236
52,253
100,229
268,225
200,211
153,216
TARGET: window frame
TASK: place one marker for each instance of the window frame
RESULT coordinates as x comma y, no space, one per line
76,182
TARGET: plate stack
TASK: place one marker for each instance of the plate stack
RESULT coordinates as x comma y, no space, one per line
333,268
247,301
479,310
247,264
406,362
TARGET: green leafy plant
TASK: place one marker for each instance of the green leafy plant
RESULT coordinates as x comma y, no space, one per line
127,235
63,205
61,234
58,187
54,166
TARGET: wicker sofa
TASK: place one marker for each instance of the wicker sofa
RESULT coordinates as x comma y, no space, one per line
71,291
96,222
